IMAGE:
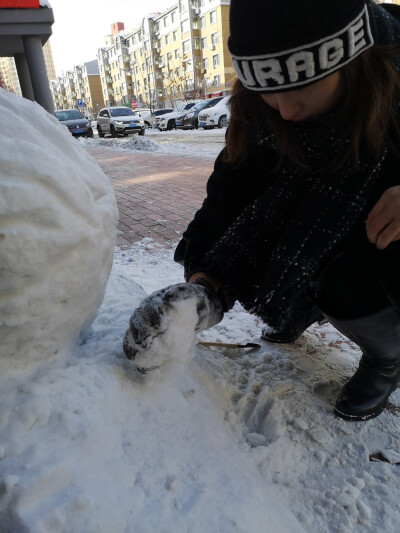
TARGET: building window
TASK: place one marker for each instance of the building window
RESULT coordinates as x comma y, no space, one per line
165,22
203,43
216,81
180,89
165,92
214,38
213,16
176,53
175,35
167,39
182,6
202,22
186,46
196,43
185,26
173,16
215,60
169,56
204,63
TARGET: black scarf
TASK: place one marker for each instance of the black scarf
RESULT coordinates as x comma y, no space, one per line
281,240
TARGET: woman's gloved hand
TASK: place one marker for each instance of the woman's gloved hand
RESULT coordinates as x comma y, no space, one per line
159,317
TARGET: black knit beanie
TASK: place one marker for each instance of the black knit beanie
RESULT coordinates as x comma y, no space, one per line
281,45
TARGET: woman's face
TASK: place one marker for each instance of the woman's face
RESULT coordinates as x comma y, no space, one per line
308,103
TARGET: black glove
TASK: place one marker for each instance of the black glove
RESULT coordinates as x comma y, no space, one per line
157,313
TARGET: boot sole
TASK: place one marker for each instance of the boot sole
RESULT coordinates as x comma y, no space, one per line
358,418
292,339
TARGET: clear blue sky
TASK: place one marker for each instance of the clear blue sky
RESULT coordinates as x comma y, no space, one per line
80,25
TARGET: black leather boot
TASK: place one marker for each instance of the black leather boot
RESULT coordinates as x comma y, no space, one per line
366,394
299,317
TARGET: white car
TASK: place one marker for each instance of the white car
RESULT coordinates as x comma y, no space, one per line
119,121
167,121
150,117
217,116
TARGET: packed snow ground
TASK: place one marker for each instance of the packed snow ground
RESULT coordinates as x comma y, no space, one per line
230,440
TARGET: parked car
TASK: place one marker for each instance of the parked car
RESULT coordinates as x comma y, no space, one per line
142,112
167,121
77,124
119,121
190,120
217,116
149,117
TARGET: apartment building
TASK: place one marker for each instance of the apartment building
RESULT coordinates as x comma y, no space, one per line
9,75
217,74
175,55
79,88
127,68
48,59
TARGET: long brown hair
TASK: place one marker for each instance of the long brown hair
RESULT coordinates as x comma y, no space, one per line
368,112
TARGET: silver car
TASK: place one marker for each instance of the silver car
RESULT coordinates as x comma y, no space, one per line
119,121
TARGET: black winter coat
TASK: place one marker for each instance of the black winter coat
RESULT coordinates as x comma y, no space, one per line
230,190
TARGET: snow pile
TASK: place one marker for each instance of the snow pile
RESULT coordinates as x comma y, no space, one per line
166,143
233,441
335,476
134,143
88,445
58,216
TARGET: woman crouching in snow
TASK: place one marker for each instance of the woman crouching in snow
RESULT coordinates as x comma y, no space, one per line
302,216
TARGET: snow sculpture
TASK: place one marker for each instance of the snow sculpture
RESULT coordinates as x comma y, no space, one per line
57,232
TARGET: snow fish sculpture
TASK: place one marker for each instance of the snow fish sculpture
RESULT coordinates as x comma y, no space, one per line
57,232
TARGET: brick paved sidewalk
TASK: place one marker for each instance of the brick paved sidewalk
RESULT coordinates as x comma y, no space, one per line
157,195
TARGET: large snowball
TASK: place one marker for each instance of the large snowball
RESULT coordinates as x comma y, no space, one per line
57,232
